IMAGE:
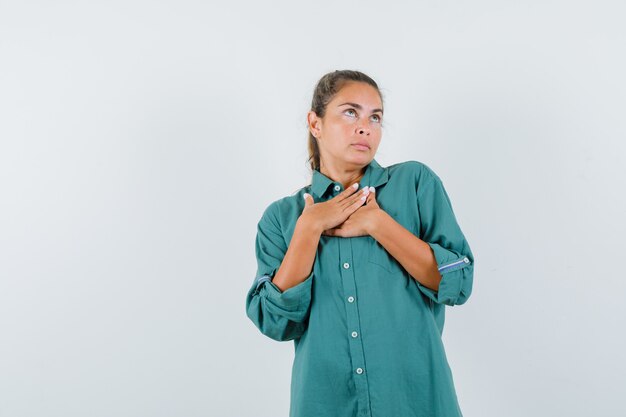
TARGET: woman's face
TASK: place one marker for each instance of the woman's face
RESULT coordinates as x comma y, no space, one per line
350,131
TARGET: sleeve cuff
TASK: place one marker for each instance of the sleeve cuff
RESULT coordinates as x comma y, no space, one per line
448,261
293,298
450,266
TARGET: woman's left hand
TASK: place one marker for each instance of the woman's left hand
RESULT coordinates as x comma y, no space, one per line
359,222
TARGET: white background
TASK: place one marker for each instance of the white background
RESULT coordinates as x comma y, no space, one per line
140,142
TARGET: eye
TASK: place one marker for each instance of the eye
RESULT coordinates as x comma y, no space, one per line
352,110
378,120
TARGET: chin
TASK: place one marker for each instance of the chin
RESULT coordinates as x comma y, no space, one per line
362,159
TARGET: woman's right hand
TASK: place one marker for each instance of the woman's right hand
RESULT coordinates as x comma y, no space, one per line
333,212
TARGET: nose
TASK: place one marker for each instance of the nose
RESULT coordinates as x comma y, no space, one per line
362,130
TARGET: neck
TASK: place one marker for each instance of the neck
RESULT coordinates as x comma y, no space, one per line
346,175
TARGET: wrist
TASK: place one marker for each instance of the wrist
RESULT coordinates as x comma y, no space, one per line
377,221
308,225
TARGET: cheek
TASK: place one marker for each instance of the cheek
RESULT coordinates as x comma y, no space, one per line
344,130
340,126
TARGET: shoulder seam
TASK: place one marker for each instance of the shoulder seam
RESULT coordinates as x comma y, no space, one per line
431,174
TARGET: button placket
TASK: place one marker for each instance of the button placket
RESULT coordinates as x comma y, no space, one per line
353,321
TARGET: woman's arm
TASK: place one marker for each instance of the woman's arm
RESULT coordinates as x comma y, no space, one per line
440,260
298,261
315,218
280,315
279,300
411,252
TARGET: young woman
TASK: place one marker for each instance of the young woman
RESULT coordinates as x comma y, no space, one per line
357,267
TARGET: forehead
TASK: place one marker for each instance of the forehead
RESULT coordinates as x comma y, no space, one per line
358,92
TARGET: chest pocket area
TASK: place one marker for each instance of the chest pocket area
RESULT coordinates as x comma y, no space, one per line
378,257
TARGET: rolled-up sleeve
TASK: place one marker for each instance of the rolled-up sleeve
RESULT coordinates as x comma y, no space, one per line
279,315
439,228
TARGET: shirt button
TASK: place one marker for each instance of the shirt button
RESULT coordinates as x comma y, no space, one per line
466,260
354,334
337,188
359,371
350,299
346,265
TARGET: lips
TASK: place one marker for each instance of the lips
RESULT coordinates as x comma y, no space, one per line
361,145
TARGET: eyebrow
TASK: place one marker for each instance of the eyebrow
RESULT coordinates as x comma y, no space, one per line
358,106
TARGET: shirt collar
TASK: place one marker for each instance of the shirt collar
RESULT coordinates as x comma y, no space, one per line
374,176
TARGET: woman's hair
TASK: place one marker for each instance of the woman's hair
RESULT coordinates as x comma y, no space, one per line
324,92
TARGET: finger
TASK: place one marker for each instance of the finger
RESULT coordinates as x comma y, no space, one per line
335,231
356,197
347,192
365,192
358,203
308,200
370,199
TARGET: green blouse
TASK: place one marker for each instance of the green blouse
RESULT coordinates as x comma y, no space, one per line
367,335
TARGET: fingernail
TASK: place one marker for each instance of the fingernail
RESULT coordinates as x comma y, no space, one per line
304,195
355,185
372,189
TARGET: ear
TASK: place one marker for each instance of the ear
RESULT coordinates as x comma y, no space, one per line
315,123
